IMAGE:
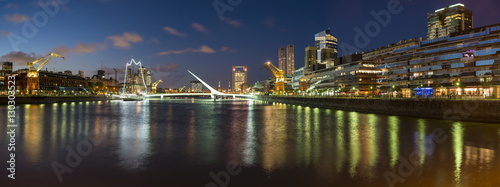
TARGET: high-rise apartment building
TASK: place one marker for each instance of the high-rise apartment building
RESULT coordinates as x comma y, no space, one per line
445,21
239,77
282,58
311,57
290,60
286,59
326,45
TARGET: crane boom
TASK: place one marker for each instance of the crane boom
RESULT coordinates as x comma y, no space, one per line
279,76
154,85
41,62
33,72
276,72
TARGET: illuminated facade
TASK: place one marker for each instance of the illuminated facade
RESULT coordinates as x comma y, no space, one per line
7,67
290,60
286,59
51,81
4,72
445,21
311,57
326,45
463,63
239,77
282,58
351,75
135,80
108,83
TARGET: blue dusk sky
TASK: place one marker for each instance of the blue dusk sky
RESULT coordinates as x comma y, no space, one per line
171,37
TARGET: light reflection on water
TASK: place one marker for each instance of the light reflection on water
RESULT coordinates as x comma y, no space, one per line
458,149
394,140
190,138
134,141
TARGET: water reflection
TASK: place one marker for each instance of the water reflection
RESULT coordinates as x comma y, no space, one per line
326,147
274,137
373,144
354,143
249,151
340,151
33,131
458,147
134,145
393,140
421,141
479,157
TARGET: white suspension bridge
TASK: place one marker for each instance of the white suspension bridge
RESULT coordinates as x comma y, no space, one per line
214,94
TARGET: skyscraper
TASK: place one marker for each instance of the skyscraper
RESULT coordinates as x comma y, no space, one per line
445,21
326,45
282,58
290,60
311,57
286,59
239,77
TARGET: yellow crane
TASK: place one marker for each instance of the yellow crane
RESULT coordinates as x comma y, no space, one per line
33,75
154,85
181,89
279,77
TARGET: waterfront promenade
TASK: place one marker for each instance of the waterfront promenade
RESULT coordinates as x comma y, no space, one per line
464,109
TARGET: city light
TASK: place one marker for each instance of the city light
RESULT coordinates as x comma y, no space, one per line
392,95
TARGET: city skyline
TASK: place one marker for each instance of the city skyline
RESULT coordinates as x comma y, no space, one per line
170,47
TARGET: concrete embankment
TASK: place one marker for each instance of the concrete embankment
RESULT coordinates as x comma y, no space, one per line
455,110
48,100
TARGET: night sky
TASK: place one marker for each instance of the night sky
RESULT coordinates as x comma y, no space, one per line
171,37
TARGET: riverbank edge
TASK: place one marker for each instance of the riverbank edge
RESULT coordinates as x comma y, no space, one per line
485,111
50,100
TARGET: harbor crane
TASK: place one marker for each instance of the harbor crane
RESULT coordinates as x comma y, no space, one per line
33,71
182,89
279,77
154,85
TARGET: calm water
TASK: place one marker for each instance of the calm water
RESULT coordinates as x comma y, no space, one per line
179,142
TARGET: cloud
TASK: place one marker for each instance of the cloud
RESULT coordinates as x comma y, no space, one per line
126,40
10,6
174,31
20,58
201,49
224,48
269,21
79,48
154,40
198,27
205,49
233,22
16,18
165,67
167,73
4,33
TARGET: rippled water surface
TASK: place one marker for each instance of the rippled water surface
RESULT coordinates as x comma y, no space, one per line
243,143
